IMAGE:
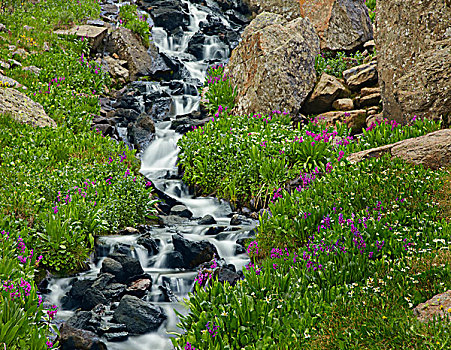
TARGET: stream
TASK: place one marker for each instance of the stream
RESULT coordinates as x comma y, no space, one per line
170,285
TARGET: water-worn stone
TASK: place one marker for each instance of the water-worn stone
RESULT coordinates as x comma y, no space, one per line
182,211
414,58
227,275
355,120
361,76
138,316
91,298
87,320
273,67
289,9
72,338
140,61
340,24
432,150
94,34
23,109
194,253
207,220
343,104
438,307
139,287
130,267
324,94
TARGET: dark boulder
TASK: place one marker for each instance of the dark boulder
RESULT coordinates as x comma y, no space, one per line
207,220
194,253
138,316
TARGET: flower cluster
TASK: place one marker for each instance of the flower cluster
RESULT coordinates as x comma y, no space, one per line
213,330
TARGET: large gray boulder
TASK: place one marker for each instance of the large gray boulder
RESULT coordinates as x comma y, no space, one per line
413,43
274,65
340,24
290,9
432,150
23,109
94,34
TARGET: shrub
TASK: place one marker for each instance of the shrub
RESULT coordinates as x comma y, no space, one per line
336,63
131,18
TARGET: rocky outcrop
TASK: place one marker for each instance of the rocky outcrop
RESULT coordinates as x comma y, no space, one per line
342,25
290,9
432,150
94,34
274,65
23,109
415,67
326,91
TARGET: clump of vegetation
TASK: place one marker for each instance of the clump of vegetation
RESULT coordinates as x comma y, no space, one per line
371,4
336,63
131,18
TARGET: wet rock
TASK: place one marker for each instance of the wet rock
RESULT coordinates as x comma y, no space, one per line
159,108
138,316
139,288
432,150
168,14
168,294
239,249
361,76
181,211
214,230
324,94
140,61
273,67
226,275
142,132
104,129
111,266
207,220
194,253
150,244
343,104
414,70
171,220
130,267
196,45
174,260
342,25
73,299
86,320
71,338
120,336
91,298
112,328
236,220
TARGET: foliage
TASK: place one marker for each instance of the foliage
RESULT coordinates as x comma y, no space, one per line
386,132
131,18
218,90
360,244
24,323
244,158
371,4
336,63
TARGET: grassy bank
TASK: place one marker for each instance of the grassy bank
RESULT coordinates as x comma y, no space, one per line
59,187
343,252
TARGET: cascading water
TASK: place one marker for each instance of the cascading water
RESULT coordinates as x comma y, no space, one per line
159,165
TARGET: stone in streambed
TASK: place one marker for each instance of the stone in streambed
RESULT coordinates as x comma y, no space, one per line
139,288
138,316
182,211
91,298
207,220
72,338
194,253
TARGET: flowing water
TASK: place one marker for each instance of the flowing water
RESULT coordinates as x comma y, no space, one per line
158,161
